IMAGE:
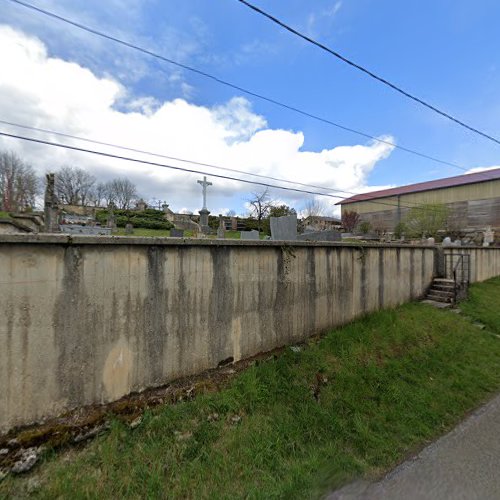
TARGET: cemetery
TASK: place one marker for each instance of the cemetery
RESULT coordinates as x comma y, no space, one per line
98,317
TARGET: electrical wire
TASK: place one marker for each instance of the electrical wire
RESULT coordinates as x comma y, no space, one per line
232,85
371,74
184,160
172,167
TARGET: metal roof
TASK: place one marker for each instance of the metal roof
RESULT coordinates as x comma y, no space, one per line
459,180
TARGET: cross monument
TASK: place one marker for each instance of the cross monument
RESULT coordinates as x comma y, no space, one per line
204,184
204,211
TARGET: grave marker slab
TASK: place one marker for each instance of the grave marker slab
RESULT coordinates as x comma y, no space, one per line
284,228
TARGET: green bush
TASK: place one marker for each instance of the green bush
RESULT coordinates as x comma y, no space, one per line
365,227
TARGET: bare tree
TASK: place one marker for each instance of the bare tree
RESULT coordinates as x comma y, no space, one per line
260,204
74,185
98,194
122,192
314,208
19,184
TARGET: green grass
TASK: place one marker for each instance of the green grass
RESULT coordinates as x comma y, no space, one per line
385,385
4,215
230,235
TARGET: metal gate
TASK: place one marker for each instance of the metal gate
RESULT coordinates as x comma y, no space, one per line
457,268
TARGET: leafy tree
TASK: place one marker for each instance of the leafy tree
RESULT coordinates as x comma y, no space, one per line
350,219
19,184
276,211
281,211
426,220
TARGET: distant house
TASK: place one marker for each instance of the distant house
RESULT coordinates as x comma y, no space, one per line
473,201
320,223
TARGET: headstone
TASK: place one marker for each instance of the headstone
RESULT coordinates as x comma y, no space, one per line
221,230
489,237
129,228
176,233
284,228
111,222
457,243
249,235
320,236
447,242
51,207
431,241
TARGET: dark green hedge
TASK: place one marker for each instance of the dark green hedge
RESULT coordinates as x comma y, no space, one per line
147,219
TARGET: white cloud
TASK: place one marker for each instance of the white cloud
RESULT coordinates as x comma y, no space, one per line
325,16
481,169
42,91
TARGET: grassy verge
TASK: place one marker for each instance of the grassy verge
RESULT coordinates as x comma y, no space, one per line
353,403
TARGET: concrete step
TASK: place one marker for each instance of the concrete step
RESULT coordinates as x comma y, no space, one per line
442,293
443,288
439,298
444,280
439,305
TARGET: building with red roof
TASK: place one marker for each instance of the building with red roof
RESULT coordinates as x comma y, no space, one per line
473,201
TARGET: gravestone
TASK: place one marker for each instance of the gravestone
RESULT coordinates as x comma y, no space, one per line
284,228
320,236
111,222
176,233
250,235
221,230
129,228
447,242
431,241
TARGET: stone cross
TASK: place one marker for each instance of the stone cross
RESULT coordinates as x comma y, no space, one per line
204,185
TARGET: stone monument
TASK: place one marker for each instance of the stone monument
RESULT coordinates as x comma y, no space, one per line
204,212
221,230
111,222
250,235
51,207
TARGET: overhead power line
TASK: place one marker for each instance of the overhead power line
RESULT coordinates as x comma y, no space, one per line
172,167
232,85
371,74
152,163
183,160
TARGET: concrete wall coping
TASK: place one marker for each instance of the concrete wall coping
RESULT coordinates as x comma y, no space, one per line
68,239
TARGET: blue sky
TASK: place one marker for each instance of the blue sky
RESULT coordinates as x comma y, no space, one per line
446,52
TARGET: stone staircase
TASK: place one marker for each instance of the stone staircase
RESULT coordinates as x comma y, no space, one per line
442,290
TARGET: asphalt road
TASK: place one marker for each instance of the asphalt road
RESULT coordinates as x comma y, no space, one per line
464,464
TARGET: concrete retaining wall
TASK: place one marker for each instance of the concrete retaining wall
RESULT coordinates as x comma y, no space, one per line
484,261
87,320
